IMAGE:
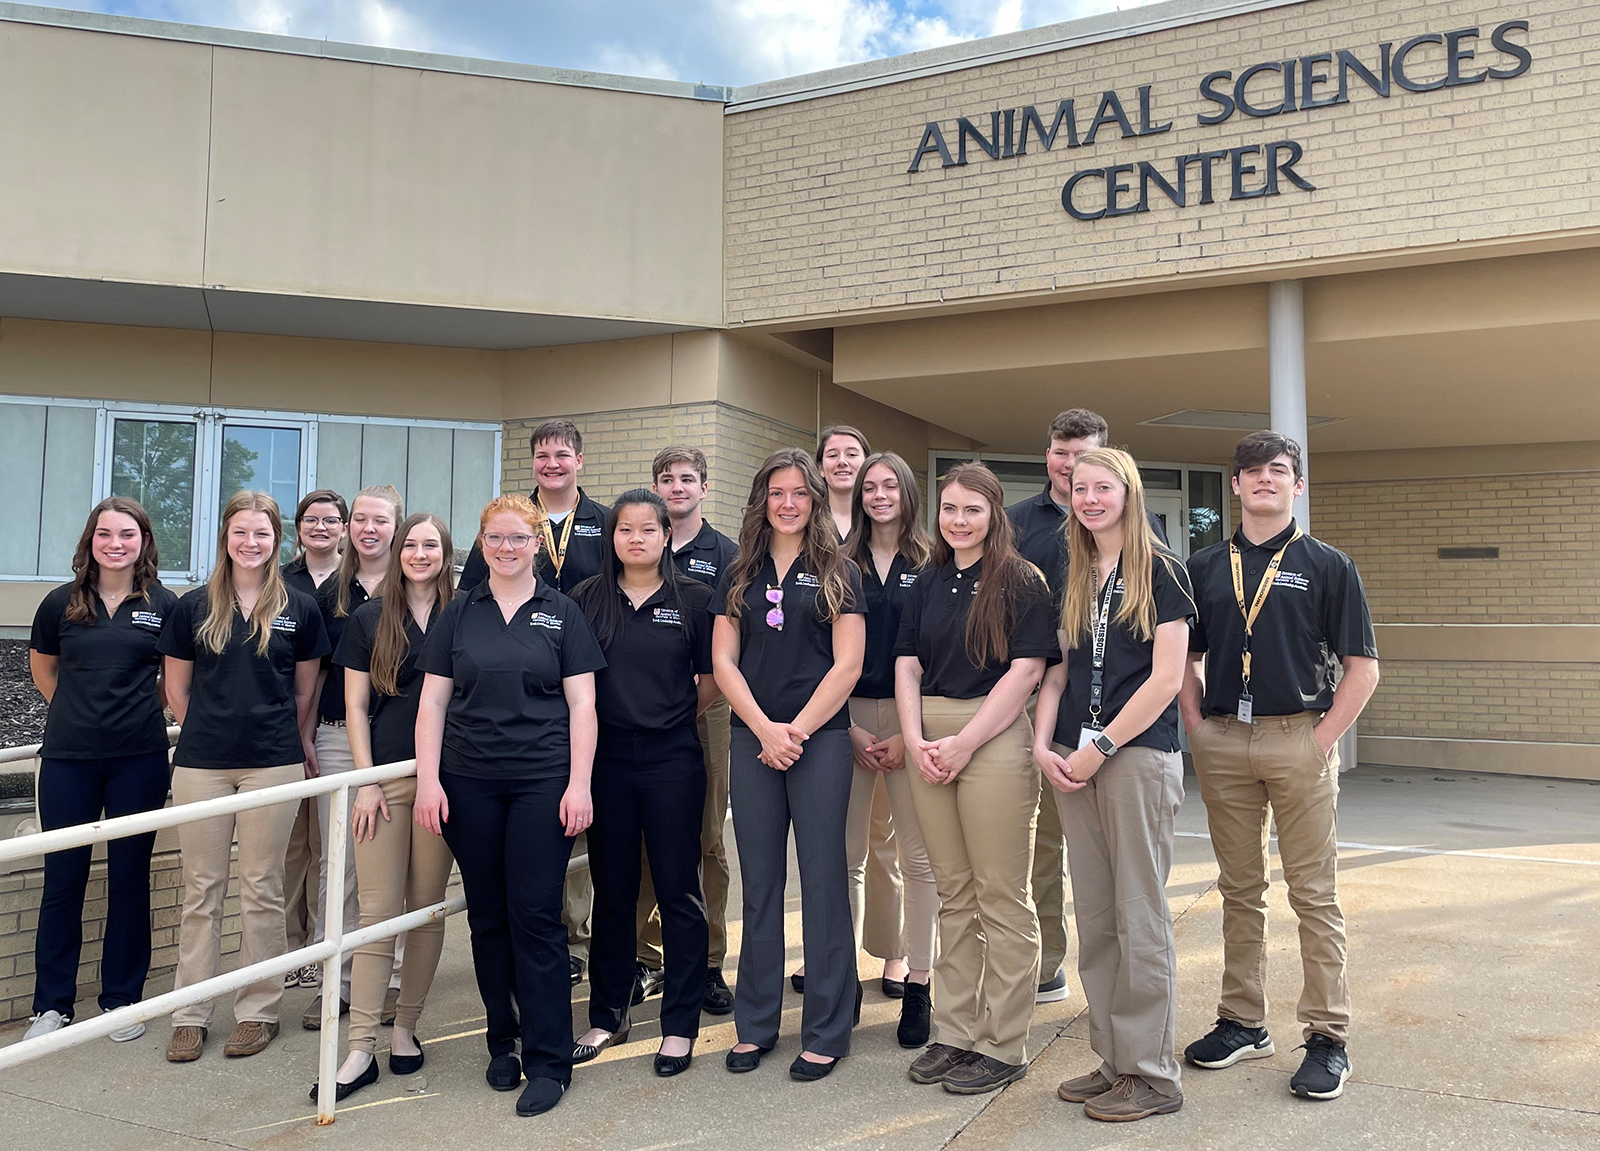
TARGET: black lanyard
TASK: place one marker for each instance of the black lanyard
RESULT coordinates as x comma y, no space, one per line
1102,626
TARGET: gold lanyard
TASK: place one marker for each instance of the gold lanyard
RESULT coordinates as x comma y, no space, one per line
557,552
1261,593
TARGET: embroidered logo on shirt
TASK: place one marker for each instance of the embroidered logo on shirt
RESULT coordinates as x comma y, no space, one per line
703,567
585,529
1291,579
668,615
284,624
907,579
545,619
146,619
806,579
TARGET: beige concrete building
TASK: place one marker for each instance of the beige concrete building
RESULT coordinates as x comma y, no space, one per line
229,259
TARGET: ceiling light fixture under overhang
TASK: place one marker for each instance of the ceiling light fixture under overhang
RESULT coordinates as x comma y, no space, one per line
1220,421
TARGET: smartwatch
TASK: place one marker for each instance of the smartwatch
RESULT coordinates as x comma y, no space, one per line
1103,745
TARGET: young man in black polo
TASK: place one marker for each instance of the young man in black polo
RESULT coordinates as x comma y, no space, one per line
1280,612
1040,521
574,541
700,552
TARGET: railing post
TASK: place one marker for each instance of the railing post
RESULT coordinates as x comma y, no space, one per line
333,932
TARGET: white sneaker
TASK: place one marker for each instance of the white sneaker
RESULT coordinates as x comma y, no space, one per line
45,1023
311,975
128,1034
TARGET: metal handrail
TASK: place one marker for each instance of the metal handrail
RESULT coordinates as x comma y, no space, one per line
330,952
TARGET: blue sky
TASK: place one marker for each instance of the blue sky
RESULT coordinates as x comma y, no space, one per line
711,41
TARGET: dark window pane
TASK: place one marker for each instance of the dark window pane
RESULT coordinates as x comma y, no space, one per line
262,460
1205,509
1162,479
152,461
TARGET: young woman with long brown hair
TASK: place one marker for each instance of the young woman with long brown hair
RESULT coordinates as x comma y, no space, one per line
975,636
93,657
890,546
787,650
1107,741
400,867
320,519
242,656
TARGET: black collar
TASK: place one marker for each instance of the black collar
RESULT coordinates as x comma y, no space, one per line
541,592
296,565
585,509
705,540
1271,545
659,596
1047,502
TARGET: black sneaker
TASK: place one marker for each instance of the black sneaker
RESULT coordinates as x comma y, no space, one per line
647,981
1228,1043
916,1016
575,966
718,998
1323,1071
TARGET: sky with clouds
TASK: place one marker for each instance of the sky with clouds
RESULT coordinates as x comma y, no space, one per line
709,41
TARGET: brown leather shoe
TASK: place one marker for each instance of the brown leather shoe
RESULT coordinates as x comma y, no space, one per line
1085,1087
250,1038
186,1044
1131,1098
312,1019
391,1004
936,1062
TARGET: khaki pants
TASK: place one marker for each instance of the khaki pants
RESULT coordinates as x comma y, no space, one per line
979,831
300,877
894,903
333,755
1119,834
205,847
402,868
1049,877
1245,769
715,728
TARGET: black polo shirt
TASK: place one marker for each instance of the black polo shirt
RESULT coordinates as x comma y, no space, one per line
507,717
241,705
586,547
648,681
296,576
1040,524
707,556
330,705
392,718
1128,661
885,601
1315,615
934,629
105,703
783,668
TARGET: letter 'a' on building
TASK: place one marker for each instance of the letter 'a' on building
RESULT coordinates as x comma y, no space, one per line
236,261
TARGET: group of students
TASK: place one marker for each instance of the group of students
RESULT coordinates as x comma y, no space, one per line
909,707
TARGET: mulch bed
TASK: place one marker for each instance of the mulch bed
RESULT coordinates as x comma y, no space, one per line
22,711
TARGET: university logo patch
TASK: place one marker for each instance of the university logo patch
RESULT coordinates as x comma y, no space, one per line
907,579
806,579
147,619
545,619
1295,580
703,567
668,615
286,625
585,529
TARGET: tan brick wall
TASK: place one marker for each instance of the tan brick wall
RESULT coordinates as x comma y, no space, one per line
619,446
822,216
1542,702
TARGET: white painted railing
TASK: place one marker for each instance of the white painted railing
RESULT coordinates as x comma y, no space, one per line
330,952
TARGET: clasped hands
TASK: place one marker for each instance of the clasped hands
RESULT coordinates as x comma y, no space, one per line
1069,772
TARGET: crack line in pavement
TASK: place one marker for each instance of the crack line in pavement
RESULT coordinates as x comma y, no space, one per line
120,1119
1385,847
1355,1082
340,1111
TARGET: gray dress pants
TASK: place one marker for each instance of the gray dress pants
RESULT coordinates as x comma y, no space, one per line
812,797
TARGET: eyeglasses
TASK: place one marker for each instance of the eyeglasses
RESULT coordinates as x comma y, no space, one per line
325,521
775,613
515,543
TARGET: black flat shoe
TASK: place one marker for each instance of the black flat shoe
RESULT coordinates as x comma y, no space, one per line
718,997
741,1061
860,990
539,1096
584,1052
343,1091
798,982
893,988
916,1016
406,1064
806,1071
669,1065
504,1073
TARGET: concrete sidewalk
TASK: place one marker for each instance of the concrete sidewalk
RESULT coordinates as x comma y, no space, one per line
1474,912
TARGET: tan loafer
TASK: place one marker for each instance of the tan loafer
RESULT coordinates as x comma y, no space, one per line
250,1038
391,1004
1131,1098
1085,1087
186,1044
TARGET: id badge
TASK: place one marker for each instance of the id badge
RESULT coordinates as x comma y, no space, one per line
1086,736
1245,708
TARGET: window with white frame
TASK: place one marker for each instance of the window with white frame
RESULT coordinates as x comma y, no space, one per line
59,457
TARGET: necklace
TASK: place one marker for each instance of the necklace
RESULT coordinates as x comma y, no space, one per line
640,597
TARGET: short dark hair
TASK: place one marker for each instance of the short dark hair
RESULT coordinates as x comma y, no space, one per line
565,431
841,430
1260,448
679,454
1080,424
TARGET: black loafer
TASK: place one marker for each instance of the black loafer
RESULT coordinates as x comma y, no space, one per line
718,997
647,981
406,1064
893,988
798,982
741,1061
916,1016
505,1072
575,969
806,1071
343,1091
539,1096
584,1052
669,1065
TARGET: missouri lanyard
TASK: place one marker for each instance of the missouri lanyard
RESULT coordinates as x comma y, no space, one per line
1254,610
558,552
1102,624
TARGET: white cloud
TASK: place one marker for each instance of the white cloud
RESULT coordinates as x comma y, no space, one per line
625,61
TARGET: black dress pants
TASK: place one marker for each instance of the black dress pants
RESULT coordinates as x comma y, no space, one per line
507,837
654,783
73,791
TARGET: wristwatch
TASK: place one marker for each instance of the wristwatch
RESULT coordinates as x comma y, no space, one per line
1103,745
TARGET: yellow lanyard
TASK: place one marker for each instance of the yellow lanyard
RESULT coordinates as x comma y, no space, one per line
557,552
1261,593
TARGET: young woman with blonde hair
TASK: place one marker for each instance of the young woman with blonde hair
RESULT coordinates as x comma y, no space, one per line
1107,741
400,867
242,655
974,640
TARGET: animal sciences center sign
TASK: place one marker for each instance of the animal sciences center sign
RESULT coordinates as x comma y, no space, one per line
1423,63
